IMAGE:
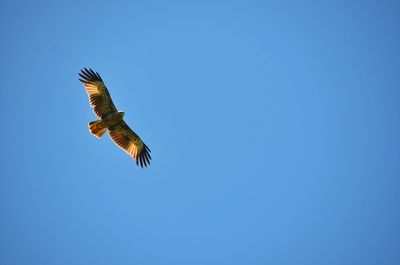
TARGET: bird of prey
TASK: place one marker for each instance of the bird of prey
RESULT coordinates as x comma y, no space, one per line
112,119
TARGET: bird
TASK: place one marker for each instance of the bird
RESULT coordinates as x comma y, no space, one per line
112,119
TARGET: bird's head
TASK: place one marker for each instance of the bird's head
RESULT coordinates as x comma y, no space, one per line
121,113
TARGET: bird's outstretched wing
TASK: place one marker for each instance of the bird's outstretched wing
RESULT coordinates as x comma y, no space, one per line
99,97
130,142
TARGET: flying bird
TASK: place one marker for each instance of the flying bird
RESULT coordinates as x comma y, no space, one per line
112,119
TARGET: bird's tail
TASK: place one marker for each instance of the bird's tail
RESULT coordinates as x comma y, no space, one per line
97,128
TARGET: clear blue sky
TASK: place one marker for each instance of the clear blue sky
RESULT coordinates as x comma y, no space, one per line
273,125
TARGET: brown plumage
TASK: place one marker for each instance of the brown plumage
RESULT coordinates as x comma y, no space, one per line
112,119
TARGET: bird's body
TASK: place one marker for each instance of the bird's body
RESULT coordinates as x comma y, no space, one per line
112,119
98,128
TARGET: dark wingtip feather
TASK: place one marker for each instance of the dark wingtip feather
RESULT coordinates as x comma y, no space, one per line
89,75
148,154
99,77
93,73
85,78
148,149
145,161
146,158
141,161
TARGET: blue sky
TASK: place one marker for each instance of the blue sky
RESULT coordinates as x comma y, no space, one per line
273,125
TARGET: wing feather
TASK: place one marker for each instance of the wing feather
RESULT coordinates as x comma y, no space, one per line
130,142
99,97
